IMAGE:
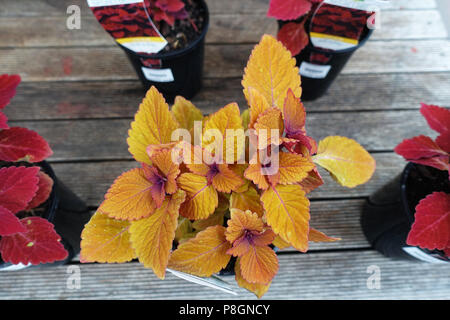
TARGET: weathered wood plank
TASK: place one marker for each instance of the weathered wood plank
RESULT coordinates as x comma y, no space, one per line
225,28
223,61
339,275
29,8
119,99
106,139
91,180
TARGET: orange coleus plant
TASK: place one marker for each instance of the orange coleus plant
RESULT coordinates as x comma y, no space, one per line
189,210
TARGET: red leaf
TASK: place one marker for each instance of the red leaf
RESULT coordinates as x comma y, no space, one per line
9,223
18,185
170,5
443,141
441,162
288,9
8,85
45,186
294,37
419,147
22,144
438,118
3,121
39,244
431,228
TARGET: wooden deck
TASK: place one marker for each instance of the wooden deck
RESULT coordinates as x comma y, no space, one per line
80,92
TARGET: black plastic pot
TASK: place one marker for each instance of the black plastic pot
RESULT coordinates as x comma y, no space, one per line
318,77
387,218
67,212
174,73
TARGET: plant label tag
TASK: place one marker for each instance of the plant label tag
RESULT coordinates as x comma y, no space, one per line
419,254
129,23
314,71
338,24
212,282
158,75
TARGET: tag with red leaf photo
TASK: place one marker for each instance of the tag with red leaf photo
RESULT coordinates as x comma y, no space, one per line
130,24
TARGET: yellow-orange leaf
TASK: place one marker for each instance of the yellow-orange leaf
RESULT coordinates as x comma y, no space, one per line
227,118
152,237
294,114
241,221
347,161
287,212
258,289
270,119
201,198
184,227
247,200
129,198
255,174
271,70
203,255
213,220
317,236
259,265
163,161
186,113
153,124
257,105
226,180
293,168
106,240
280,243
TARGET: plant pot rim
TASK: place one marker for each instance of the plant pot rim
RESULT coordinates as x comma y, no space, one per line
53,202
181,52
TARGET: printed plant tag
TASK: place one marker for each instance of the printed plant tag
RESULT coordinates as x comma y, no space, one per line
314,71
338,24
158,75
129,23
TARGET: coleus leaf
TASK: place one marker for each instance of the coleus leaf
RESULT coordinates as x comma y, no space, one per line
203,255
18,186
258,289
431,228
153,124
3,121
294,37
186,113
21,144
45,186
8,85
39,244
259,265
130,197
271,70
268,120
257,105
10,224
247,200
312,181
152,237
287,212
293,168
201,197
317,236
288,9
169,5
105,239
423,150
438,118
347,161
227,118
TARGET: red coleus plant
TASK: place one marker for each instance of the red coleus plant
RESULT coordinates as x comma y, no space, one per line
292,34
24,236
431,229
167,10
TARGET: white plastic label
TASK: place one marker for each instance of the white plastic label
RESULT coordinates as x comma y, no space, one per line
367,5
419,254
315,71
105,3
158,75
143,44
15,267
